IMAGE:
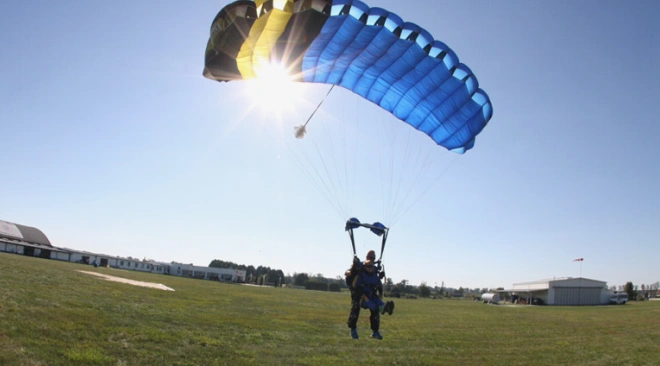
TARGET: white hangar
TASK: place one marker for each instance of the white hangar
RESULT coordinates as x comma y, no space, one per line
562,291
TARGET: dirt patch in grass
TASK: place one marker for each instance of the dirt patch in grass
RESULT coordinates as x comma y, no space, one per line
130,282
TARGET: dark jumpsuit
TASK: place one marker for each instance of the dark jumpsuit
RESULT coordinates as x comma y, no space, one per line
364,293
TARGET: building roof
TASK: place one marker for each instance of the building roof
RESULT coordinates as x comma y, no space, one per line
23,233
555,280
522,290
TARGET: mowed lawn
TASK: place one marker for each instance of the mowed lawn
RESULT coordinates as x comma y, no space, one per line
51,314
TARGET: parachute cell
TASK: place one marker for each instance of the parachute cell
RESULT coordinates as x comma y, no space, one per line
370,51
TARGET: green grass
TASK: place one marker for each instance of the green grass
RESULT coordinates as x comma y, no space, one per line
50,314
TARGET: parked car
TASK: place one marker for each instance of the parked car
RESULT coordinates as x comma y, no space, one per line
618,299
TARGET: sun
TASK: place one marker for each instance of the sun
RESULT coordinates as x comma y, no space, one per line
273,91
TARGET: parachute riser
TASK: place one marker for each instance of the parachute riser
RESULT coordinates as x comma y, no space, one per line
377,228
350,234
382,246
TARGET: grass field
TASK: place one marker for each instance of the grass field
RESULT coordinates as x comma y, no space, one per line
50,314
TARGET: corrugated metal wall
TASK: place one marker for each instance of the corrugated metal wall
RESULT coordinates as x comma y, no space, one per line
577,296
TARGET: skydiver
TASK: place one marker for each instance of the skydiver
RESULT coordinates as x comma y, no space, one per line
366,292
356,292
372,293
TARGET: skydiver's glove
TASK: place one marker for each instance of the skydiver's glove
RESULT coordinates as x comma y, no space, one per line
381,275
356,260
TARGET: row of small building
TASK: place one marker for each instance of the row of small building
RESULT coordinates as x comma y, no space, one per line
30,241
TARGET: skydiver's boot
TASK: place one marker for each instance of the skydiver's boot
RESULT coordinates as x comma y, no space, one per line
388,308
354,334
376,335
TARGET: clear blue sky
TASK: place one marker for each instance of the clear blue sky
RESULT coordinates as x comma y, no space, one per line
113,142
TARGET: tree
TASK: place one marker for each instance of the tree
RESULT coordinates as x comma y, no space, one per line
389,284
400,287
630,290
424,291
275,277
250,271
300,279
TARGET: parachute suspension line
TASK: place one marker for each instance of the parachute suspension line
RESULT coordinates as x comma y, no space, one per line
382,173
420,167
327,193
330,186
347,193
437,178
414,166
421,172
348,156
297,159
333,187
341,188
299,131
392,167
302,161
329,190
386,149
332,183
298,162
395,204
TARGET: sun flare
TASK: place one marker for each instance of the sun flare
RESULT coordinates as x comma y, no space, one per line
274,90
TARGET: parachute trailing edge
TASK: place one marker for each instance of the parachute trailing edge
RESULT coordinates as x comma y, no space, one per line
370,51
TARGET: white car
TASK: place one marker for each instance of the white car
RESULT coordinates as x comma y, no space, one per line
618,299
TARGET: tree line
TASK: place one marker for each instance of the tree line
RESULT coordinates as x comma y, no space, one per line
634,292
267,276
259,275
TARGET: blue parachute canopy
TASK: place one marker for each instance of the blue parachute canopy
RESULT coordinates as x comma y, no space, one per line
370,51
